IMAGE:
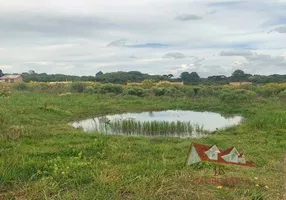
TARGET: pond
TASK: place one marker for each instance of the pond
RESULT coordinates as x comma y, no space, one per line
175,123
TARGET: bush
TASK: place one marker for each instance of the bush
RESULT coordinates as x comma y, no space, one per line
159,91
210,91
137,91
20,87
239,95
270,90
90,90
5,90
173,92
77,87
111,88
57,88
148,83
245,95
189,93
282,94
38,87
228,97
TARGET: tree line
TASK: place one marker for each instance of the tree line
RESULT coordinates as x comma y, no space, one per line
121,77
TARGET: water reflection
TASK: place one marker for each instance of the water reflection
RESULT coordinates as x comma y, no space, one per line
177,123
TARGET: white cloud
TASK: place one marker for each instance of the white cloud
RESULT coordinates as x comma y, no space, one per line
259,63
280,29
118,43
174,55
236,53
82,37
187,17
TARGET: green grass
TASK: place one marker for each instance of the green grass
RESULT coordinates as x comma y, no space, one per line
42,157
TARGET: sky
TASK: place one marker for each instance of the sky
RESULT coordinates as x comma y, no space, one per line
82,37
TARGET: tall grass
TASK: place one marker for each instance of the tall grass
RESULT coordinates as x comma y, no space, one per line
150,128
268,120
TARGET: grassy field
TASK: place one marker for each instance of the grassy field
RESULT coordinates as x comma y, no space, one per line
42,157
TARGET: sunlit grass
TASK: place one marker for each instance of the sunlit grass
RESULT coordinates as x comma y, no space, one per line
42,157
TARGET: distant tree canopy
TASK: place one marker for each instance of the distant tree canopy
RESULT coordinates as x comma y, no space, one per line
121,77
99,73
217,78
239,75
1,73
192,77
124,77
112,77
32,72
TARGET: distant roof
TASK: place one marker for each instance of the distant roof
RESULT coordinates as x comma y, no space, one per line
201,149
10,76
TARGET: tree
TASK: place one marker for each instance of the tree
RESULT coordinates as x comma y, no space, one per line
1,73
170,75
194,77
217,78
32,72
99,73
185,76
239,75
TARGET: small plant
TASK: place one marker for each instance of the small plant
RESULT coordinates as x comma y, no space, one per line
5,90
137,91
111,88
238,95
159,91
196,91
77,87
90,90
63,169
148,83
282,94
21,86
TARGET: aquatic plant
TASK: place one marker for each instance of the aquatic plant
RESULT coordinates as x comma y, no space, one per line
149,128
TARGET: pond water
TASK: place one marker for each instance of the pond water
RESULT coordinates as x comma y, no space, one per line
175,123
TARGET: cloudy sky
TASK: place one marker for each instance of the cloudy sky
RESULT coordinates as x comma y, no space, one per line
152,36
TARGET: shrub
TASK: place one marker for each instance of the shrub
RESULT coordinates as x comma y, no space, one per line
77,87
20,87
111,88
210,91
245,95
148,83
238,95
90,90
158,91
38,87
57,88
189,92
196,90
147,92
282,94
173,92
137,91
269,90
5,90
